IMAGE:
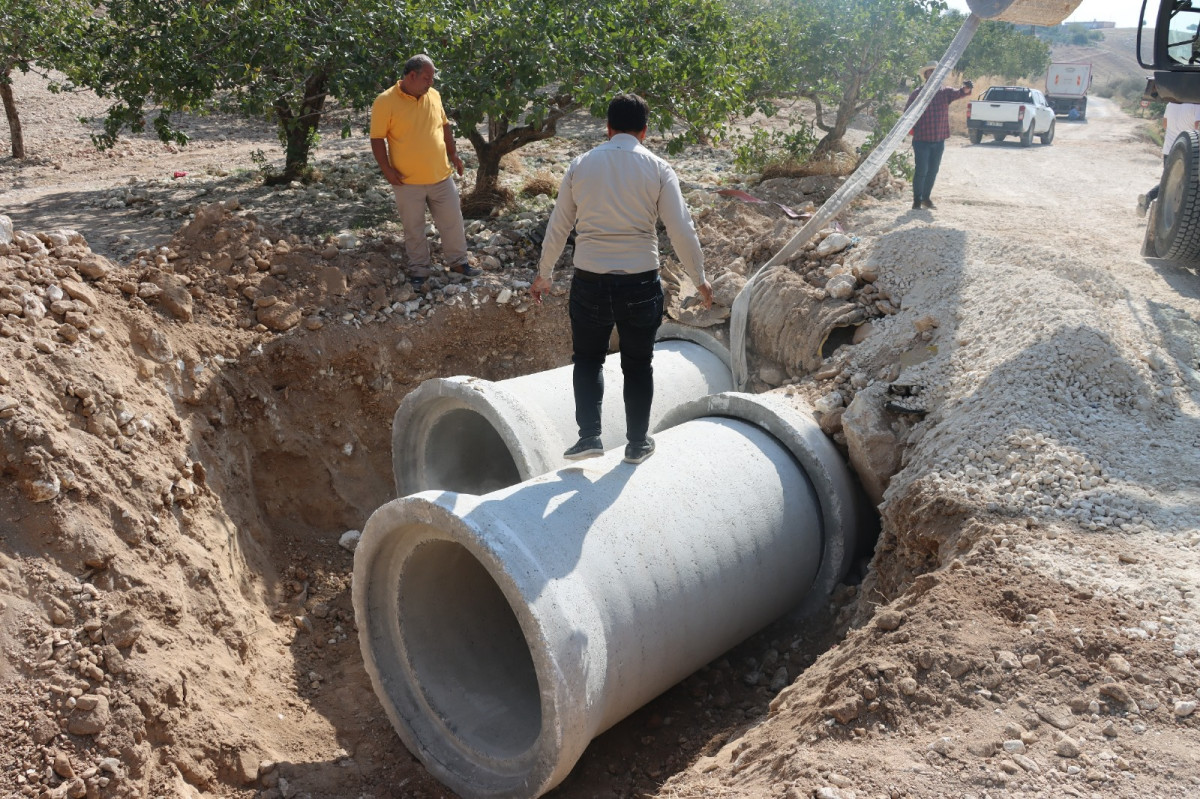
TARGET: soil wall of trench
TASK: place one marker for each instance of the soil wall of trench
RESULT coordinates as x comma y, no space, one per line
185,441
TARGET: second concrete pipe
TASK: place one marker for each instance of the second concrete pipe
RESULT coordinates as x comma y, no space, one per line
503,632
473,435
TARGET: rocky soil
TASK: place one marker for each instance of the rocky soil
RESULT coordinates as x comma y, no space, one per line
196,391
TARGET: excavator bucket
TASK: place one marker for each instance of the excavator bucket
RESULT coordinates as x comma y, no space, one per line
1024,12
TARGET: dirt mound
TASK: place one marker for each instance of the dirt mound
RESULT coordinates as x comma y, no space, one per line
188,429
186,438
178,474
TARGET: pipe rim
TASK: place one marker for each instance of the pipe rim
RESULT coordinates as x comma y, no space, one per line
831,477
528,443
451,759
674,331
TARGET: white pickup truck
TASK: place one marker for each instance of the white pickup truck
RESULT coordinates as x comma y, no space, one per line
1010,111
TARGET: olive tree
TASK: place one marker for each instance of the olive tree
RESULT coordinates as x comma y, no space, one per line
998,48
510,71
33,34
278,59
847,56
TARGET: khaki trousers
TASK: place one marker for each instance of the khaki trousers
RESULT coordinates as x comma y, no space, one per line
443,203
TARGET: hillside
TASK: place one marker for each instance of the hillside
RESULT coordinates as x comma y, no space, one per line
1113,59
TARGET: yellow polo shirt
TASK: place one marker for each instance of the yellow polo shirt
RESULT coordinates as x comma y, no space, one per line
413,129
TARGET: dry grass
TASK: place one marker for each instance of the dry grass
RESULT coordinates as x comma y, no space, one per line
837,164
512,163
541,183
479,205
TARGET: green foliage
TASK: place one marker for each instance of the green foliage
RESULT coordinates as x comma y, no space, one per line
510,70
775,148
899,163
998,48
846,55
37,31
281,58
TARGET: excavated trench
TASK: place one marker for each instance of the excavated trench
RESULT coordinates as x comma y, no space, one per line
306,427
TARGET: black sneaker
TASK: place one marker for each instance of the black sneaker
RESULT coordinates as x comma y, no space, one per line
417,275
916,205
928,204
589,447
638,451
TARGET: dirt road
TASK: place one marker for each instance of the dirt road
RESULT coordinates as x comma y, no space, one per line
1079,192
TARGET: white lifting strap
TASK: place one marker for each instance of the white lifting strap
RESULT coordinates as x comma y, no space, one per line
854,185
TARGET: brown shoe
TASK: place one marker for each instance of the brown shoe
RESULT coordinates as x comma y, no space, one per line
467,270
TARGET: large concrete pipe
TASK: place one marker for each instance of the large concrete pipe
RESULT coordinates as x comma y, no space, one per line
473,435
503,632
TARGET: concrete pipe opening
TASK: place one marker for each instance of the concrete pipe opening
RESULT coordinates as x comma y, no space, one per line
503,632
465,646
473,436
465,452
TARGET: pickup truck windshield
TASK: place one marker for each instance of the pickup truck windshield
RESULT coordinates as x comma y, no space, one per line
1008,96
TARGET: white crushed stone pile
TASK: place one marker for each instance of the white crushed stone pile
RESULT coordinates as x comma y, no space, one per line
1052,392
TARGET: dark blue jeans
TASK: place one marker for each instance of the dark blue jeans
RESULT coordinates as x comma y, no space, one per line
928,158
634,304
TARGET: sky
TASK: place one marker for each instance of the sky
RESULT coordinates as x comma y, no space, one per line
1123,12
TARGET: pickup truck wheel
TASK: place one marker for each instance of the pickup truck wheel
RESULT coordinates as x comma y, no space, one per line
998,137
1027,135
1048,136
1177,233
976,136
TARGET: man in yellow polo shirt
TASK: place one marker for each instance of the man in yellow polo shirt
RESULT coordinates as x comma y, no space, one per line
413,144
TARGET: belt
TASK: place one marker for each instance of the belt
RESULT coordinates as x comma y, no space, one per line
617,278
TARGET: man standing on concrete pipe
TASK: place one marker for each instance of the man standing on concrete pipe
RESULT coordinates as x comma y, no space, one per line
613,196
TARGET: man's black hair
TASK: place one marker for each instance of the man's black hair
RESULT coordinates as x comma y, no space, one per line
628,113
417,63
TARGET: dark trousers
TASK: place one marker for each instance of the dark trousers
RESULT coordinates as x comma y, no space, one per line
634,304
1152,194
927,156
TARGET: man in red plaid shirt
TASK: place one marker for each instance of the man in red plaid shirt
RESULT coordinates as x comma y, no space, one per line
929,136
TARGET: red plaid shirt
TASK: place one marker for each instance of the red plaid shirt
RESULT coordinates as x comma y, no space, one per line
934,124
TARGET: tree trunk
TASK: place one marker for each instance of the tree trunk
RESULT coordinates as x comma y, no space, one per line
832,142
10,111
501,141
487,177
847,109
299,129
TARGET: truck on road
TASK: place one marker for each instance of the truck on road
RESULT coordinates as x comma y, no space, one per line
1067,86
1168,43
1004,111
